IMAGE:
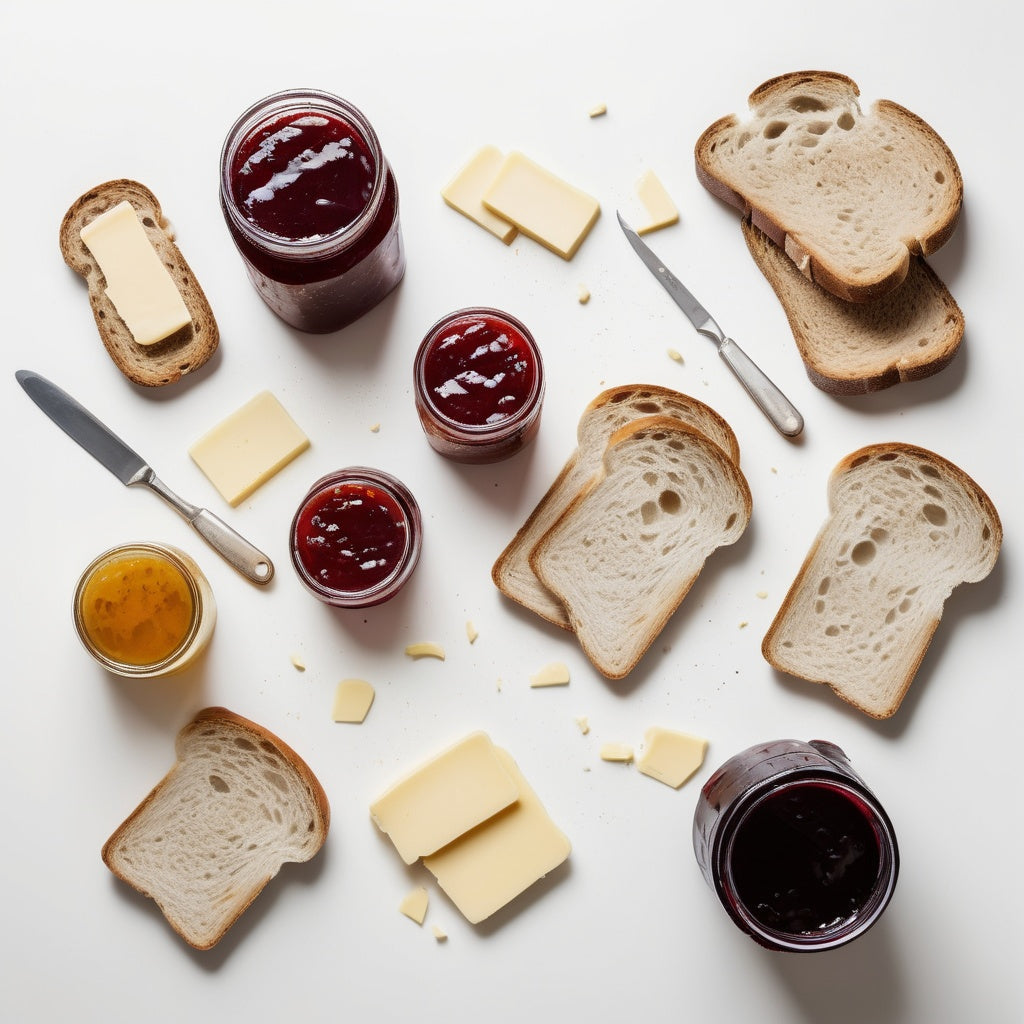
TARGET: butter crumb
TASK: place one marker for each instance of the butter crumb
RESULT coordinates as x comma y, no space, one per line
425,649
744,624
556,673
583,294
675,356
584,725
414,905
375,429
298,662
471,632
439,933
618,752
599,111
762,594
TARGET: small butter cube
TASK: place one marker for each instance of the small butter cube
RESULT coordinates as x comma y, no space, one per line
414,905
555,673
439,933
671,757
543,206
660,208
465,192
352,700
245,450
598,111
619,752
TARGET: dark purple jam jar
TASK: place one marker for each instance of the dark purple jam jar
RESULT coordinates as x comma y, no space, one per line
796,847
312,206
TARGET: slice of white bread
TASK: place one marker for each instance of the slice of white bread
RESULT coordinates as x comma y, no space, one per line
905,527
611,409
848,195
237,805
184,351
851,348
628,548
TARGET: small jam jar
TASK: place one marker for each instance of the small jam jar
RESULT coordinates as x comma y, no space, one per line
144,610
355,539
797,848
479,384
312,206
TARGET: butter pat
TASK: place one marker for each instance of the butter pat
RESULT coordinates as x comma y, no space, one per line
414,905
555,673
459,789
620,752
352,700
660,208
487,868
671,757
544,207
245,450
138,284
465,193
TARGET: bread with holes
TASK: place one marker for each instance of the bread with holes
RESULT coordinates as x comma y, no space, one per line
613,408
184,351
627,549
237,805
849,195
852,348
905,527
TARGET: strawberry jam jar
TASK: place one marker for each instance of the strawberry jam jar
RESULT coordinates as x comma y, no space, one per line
796,847
355,539
479,385
312,206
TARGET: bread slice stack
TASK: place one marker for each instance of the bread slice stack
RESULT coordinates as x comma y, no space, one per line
617,541
840,208
905,527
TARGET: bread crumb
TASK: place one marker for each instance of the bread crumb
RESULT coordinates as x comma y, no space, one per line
425,649
414,905
471,632
439,933
621,753
744,624
599,111
555,673
675,356
352,701
499,684
584,725
583,294
298,662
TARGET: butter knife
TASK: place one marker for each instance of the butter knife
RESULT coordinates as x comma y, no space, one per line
130,468
769,399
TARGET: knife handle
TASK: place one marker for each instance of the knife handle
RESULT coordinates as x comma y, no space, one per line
231,546
769,399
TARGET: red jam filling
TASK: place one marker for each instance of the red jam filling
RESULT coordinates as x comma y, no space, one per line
479,370
303,175
351,537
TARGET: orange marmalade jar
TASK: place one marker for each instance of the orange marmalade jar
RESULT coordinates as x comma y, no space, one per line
144,610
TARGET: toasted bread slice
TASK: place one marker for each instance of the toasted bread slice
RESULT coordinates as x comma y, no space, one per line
905,527
611,409
186,350
848,195
626,551
851,348
237,805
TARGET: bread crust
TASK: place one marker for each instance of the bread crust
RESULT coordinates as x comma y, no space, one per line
795,223
184,351
807,584
221,718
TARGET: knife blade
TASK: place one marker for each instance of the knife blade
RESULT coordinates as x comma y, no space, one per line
131,469
768,398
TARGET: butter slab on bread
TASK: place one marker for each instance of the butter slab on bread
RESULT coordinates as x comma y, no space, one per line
149,365
849,195
851,348
905,527
610,410
238,803
626,551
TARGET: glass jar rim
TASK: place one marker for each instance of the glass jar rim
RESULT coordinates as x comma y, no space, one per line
479,433
174,557
274,106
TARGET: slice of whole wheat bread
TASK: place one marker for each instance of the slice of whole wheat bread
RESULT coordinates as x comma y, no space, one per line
186,350
611,409
626,551
238,803
856,347
848,195
905,527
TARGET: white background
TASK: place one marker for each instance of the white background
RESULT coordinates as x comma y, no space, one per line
628,930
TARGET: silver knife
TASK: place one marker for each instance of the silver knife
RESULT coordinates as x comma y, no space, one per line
770,400
130,468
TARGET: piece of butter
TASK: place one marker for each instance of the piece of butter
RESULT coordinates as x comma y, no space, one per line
425,649
620,752
245,450
658,203
488,867
352,700
439,933
456,791
138,284
543,206
671,757
555,673
414,905
465,192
